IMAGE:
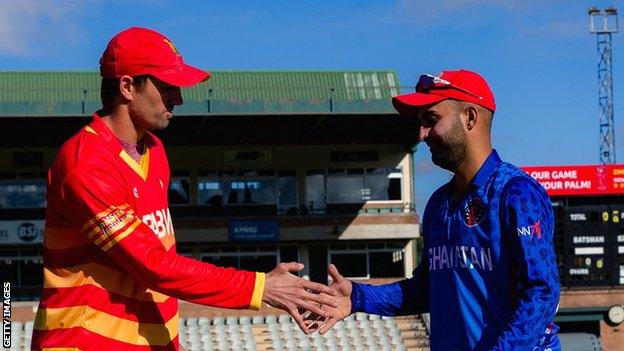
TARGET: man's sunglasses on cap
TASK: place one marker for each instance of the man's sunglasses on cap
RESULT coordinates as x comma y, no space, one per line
427,81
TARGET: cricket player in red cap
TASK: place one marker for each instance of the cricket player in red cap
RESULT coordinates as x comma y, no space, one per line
488,271
112,277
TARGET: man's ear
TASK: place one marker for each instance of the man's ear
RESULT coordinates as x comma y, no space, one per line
472,115
126,88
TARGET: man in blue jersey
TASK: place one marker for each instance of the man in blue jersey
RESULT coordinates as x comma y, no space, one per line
488,273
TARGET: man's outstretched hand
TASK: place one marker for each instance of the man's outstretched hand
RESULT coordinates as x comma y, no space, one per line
332,314
286,291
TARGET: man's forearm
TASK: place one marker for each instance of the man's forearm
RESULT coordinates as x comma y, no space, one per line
404,297
531,317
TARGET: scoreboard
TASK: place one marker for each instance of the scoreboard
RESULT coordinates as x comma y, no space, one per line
593,243
588,202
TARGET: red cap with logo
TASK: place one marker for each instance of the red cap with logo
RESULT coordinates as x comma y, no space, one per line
462,85
138,51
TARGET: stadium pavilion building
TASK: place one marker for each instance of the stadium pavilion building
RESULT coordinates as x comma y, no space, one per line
267,167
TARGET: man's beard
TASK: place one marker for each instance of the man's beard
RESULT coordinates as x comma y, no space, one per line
450,150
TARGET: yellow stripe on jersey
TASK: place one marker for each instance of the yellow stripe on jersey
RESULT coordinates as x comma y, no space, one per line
101,277
90,130
110,224
140,169
95,219
109,230
145,161
106,232
117,238
258,292
105,213
60,349
101,323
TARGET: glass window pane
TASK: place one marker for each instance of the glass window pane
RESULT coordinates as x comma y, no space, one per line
346,189
386,264
383,183
378,185
250,190
394,189
350,265
209,191
287,191
179,191
260,263
315,192
27,193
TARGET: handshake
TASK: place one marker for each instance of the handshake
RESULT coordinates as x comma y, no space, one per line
314,306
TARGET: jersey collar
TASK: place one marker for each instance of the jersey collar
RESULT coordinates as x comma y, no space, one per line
111,142
99,128
487,168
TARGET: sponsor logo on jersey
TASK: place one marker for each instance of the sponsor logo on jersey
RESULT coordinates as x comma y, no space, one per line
530,230
160,222
114,221
460,257
474,212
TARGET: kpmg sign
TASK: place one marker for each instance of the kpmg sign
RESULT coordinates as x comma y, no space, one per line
260,230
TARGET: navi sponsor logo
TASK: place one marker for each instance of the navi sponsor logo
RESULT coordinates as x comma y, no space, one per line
530,230
160,222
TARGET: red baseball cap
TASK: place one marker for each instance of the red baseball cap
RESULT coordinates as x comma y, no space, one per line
138,51
460,85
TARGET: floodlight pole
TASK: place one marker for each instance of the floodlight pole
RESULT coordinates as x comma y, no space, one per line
604,23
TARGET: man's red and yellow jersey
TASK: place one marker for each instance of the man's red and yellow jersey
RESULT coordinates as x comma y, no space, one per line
111,273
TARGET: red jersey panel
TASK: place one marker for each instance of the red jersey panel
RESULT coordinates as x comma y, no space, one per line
111,273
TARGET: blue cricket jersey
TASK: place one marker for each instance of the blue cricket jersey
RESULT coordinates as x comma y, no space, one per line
488,273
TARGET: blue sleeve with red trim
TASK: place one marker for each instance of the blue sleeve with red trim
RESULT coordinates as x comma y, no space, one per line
528,231
405,297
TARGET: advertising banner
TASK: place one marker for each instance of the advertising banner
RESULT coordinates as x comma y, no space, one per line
248,230
579,180
21,232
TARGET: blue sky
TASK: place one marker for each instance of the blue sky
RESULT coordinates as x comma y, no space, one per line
537,55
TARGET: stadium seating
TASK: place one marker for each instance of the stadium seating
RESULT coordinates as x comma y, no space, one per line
359,332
